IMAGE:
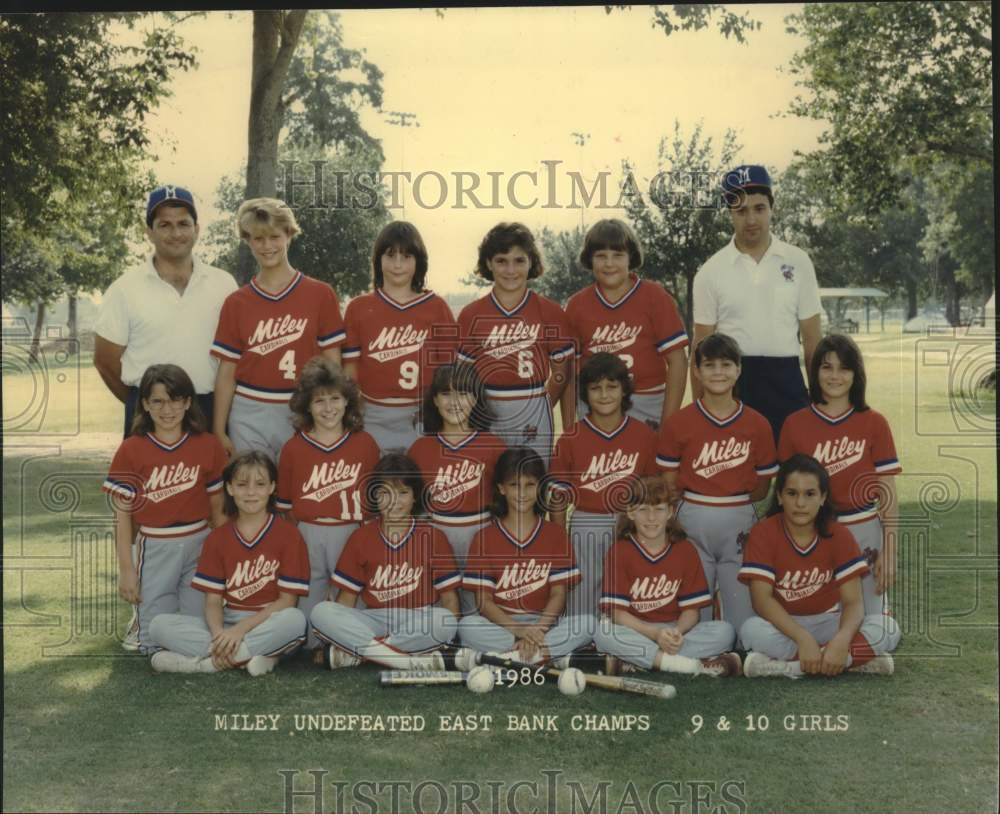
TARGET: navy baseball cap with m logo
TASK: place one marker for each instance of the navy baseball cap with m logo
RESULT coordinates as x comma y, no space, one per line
172,195
742,179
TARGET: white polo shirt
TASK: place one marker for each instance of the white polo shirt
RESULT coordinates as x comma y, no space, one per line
157,325
757,304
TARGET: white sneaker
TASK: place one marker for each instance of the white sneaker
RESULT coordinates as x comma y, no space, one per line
880,666
430,661
166,661
337,658
465,659
261,665
130,641
757,665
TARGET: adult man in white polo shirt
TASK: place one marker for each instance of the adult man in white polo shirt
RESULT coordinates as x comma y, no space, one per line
762,292
164,310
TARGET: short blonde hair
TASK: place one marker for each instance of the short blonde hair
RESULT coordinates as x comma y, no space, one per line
269,213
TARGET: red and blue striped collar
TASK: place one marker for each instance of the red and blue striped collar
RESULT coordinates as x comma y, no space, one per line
531,537
258,536
313,442
402,540
802,552
515,309
720,422
464,442
829,419
612,305
267,295
168,447
645,552
403,306
606,435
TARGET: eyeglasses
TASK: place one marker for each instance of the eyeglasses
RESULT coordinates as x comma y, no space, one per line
159,404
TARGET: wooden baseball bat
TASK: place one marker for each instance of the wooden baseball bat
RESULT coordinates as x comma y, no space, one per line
404,678
636,686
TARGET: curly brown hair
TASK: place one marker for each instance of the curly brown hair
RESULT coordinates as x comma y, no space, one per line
320,373
649,490
501,239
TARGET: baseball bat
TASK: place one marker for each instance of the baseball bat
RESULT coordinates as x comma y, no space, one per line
404,678
635,686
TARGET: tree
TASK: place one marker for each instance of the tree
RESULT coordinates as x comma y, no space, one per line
73,142
696,16
897,82
304,78
564,275
684,227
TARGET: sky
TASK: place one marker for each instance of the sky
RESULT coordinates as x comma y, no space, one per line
501,91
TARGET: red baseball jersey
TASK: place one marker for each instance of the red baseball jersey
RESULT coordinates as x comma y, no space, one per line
512,348
166,486
409,574
519,575
326,484
641,328
397,345
718,460
250,574
654,587
808,581
458,478
588,461
854,447
271,336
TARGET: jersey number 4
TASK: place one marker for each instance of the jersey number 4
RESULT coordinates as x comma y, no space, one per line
287,364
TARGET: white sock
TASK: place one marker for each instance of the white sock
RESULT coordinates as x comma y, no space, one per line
515,655
793,668
679,664
243,653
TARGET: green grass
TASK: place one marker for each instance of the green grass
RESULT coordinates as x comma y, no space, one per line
89,729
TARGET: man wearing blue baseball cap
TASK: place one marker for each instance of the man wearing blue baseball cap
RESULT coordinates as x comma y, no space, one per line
164,310
762,292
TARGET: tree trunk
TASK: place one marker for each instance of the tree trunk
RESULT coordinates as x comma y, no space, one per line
952,303
36,338
911,298
275,35
71,319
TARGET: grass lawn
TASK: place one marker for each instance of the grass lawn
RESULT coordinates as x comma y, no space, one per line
88,728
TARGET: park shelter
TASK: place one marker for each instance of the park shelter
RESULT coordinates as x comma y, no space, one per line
839,295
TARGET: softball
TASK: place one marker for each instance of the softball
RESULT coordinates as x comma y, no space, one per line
572,682
480,679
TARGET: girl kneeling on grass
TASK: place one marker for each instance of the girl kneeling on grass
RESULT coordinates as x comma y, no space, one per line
252,570
653,589
404,571
323,471
166,478
521,567
804,571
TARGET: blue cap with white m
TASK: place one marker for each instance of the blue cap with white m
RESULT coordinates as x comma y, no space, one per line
744,178
172,195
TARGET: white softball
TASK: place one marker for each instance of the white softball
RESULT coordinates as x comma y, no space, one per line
480,679
572,682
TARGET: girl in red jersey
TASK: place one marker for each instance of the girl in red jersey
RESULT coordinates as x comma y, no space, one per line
519,341
394,336
520,568
267,330
166,479
404,571
653,588
324,471
253,569
718,455
637,320
854,443
804,571
595,461
457,457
